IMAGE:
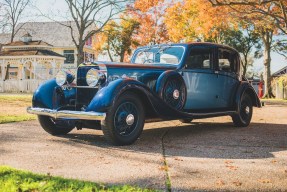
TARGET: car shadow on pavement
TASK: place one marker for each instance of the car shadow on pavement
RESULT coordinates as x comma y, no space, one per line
202,139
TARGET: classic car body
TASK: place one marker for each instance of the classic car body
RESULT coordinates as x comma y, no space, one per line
162,82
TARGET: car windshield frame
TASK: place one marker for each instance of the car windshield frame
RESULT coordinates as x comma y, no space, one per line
157,50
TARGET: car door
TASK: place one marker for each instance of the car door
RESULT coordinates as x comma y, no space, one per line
227,68
200,79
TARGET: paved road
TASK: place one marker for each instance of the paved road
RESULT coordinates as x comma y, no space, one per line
207,155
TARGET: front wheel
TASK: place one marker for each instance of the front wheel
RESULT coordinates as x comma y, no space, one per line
125,120
56,127
243,118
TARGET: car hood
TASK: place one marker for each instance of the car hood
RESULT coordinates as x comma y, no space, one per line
136,66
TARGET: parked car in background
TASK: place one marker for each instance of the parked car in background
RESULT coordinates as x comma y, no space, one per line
166,82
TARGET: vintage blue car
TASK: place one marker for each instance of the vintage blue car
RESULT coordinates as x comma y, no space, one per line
162,82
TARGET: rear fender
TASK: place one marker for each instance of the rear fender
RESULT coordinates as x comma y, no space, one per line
162,80
245,87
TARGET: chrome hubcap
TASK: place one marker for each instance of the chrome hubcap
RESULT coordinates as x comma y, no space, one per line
130,119
247,110
175,94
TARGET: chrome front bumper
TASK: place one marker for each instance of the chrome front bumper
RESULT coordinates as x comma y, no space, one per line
65,114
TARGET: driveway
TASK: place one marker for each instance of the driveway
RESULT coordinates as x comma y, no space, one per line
207,155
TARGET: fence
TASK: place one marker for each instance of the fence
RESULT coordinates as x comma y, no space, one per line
281,91
30,85
24,86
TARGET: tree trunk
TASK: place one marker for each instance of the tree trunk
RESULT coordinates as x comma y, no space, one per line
122,56
245,65
80,55
12,34
267,62
110,55
109,52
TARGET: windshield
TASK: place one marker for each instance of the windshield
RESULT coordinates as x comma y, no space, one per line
162,55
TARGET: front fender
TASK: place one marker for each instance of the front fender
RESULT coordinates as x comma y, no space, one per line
106,96
50,95
245,87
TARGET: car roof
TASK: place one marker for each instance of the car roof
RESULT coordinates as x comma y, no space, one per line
193,43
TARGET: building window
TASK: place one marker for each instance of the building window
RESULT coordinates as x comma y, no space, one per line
89,42
88,57
70,57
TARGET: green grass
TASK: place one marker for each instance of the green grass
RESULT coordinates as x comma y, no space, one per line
16,118
13,180
275,100
13,108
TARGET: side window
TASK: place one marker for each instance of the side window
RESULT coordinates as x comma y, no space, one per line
199,58
227,60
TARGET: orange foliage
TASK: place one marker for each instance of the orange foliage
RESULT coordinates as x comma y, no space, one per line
192,19
150,15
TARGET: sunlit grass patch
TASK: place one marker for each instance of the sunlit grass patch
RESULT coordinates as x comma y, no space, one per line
18,180
13,108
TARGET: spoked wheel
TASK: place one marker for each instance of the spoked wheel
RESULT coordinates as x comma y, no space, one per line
243,118
125,120
174,93
56,127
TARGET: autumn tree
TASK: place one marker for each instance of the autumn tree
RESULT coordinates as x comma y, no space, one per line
150,16
11,11
268,18
190,20
118,38
278,11
247,42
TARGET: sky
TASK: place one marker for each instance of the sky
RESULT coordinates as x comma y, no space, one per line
53,8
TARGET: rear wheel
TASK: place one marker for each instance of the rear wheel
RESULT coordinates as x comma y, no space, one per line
243,118
56,127
125,120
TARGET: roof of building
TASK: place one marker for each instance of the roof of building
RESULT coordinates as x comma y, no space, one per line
27,35
54,33
21,43
4,38
40,52
280,72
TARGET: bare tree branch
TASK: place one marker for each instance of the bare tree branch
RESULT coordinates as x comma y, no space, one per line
13,9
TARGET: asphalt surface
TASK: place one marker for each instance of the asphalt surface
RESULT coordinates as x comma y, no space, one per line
207,155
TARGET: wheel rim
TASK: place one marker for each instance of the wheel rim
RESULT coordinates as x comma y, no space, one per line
126,118
245,111
174,94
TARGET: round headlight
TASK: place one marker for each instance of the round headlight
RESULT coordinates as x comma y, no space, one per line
92,77
61,78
